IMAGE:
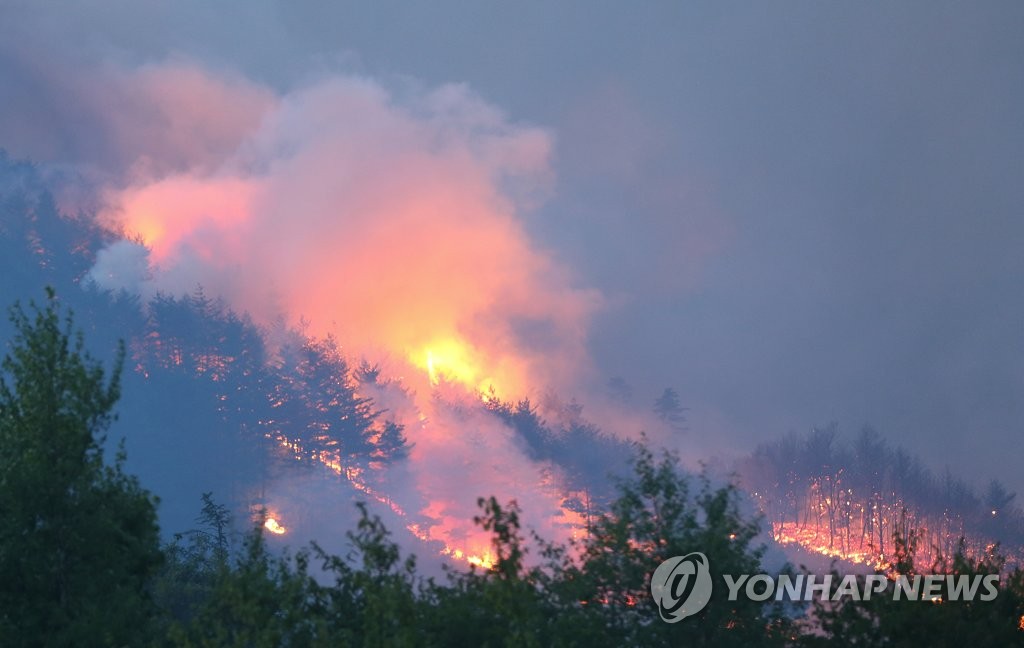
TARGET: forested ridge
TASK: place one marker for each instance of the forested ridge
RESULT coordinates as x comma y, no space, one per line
82,545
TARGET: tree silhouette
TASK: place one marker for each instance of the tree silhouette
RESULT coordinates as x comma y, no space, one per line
669,409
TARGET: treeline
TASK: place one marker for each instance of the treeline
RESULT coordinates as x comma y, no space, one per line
859,492
303,398
585,453
81,563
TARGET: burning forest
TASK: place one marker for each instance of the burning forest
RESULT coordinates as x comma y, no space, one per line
283,399
335,327
846,500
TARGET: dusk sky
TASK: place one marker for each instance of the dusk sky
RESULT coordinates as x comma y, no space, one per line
792,213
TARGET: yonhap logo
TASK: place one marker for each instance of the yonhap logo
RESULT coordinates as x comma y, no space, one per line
681,586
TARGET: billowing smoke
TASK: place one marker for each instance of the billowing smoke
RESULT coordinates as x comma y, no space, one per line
393,223
392,220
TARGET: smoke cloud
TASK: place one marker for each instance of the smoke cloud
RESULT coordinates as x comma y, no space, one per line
387,223
389,219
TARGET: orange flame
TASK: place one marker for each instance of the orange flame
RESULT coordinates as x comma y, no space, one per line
274,527
349,213
455,361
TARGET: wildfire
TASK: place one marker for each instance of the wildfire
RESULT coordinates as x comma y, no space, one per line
274,527
814,539
484,561
332,462
473,548
813,535
451,359
455,292
147,229
455,361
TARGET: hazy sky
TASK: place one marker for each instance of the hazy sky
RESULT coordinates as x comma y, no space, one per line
796,212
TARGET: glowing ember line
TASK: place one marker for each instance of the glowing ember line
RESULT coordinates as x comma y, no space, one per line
354,475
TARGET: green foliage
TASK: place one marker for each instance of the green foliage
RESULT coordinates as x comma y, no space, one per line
257,601
500,606
372,601
79,539
882,621
659,514
195,561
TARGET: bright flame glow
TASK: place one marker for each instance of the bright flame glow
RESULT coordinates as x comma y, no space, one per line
453,360
274,527
391,225
410,249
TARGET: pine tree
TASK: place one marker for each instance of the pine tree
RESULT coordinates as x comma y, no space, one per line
393,444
